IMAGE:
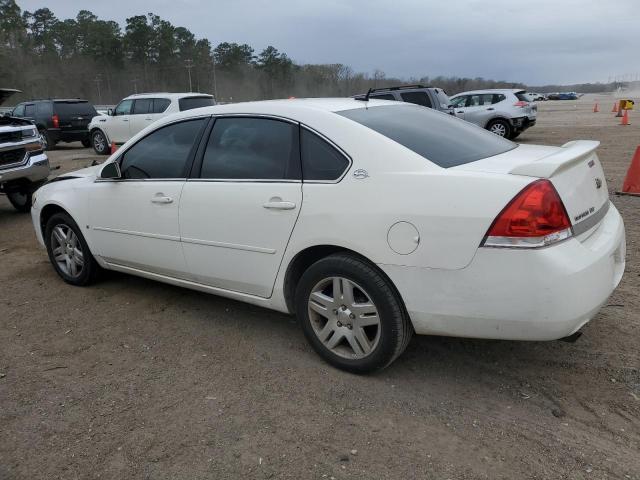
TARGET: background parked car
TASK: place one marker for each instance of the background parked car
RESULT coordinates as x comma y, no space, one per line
432,97
536,97
507,112
136,112
58,120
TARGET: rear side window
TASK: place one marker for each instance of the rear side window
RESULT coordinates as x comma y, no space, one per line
384,96
74,108
160,104
43,108
419,98
320,160
143,105
243,148
163,153
189,103
442,139
29,110
498,97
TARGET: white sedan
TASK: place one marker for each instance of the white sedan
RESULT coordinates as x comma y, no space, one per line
368,220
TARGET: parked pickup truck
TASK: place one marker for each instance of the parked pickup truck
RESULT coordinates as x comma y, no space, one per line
24,165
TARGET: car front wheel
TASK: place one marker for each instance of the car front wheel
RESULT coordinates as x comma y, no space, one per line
500,128
100,143
20,200
351,314
69,252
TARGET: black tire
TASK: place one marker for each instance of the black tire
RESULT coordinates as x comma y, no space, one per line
90,270
395,329
500,127
47,141
515,135
100,143
86,143
21,200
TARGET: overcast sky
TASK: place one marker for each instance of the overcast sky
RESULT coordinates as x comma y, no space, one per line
538,42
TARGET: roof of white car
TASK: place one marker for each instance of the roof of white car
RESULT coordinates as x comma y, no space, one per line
491,90
170,95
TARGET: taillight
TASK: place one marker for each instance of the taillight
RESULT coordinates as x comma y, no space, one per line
536,217
56,121
521,104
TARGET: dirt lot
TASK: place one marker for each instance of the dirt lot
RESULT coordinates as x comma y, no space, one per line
136,379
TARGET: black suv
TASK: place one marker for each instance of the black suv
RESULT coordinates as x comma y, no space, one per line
59,120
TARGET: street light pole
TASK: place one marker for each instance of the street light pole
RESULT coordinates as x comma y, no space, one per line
189,65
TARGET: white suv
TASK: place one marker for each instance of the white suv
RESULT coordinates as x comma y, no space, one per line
138,111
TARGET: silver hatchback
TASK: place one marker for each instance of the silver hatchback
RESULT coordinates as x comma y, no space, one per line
505,112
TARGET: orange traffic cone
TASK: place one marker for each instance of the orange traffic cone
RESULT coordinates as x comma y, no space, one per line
615,107
595,108
631,185
625,118
113,148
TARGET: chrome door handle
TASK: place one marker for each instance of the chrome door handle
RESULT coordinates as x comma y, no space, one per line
279,205
161,199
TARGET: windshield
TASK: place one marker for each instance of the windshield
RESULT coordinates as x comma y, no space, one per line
442,139
74,108
188,103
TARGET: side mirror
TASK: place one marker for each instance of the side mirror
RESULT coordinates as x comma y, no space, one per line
111,171
110,112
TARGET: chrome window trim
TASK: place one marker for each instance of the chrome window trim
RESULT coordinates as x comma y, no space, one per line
242,180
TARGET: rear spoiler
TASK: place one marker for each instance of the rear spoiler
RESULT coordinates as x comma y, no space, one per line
571,153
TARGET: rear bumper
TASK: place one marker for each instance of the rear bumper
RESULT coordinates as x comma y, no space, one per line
68,135
542,294
522,123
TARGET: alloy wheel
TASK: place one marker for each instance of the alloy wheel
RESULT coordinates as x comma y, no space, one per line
499,129
67,250
344,318
99,142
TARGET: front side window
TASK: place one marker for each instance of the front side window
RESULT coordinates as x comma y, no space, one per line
442,139
419,98
160,104
143,105
163,153
188,103
19,111
124,107
458,101
320,160
244,148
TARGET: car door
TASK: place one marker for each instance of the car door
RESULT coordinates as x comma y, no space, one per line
118,125
479,109
238,212
134,220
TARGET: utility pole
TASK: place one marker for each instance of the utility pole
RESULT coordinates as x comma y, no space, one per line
215,82
98,80
189,65
135,81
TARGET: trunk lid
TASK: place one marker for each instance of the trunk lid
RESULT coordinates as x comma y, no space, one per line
574,170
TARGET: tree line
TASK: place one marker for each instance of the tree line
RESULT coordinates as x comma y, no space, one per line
99,60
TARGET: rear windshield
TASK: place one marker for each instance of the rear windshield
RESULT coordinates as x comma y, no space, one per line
74,108
438,137
195,102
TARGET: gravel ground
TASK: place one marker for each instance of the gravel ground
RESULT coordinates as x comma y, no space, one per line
136,379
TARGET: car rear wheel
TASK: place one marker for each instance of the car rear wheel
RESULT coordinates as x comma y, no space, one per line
86,143
500,128
69,252
100,143
21,200
351,314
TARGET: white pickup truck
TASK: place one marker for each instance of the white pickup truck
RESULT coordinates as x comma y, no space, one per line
24,166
